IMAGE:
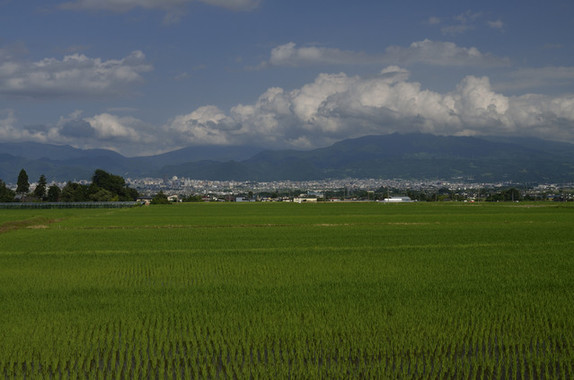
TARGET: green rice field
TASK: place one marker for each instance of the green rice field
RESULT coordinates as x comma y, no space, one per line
288,291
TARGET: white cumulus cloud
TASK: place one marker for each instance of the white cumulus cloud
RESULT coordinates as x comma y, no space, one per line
108,126
74,75
125,134
10,130
338,106
208,125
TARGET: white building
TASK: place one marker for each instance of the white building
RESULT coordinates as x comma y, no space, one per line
397,199
305,200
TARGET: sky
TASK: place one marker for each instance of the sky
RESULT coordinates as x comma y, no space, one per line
143,77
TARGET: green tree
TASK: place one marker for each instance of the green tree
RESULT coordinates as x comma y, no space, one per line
6,194
130,194
110,182
40,190
114,184
193,198
160,199
103,195
512,194
74,192
54,193
23,184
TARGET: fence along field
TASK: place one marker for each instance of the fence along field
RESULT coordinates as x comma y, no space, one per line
222,291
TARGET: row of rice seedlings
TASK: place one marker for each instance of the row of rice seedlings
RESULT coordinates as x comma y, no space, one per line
178,343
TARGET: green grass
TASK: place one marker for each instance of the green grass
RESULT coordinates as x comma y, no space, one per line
349,290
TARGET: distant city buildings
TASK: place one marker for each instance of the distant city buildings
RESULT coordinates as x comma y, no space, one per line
348,189
394,190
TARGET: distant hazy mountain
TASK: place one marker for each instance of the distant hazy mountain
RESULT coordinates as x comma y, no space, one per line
63,162
409,156
57,162
194,154
34,151
414,156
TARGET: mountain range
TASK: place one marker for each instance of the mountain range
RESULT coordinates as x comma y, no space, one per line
406,156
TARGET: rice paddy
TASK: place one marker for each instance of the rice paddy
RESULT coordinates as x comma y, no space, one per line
288,291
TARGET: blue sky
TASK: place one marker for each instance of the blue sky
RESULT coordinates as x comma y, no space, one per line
148,76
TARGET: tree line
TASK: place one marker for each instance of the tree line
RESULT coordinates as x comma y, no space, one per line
105,187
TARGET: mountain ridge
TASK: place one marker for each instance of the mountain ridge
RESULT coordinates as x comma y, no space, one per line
407,156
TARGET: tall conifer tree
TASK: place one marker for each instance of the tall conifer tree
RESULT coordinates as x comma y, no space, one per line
40,190
23,184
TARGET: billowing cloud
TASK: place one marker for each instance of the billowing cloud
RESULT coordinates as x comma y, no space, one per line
337,106
429,52
207,124
125,134
127,5
111,127
7,122
75,75
330,108
11,131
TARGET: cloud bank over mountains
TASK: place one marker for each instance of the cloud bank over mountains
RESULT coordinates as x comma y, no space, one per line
336,106
331,108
